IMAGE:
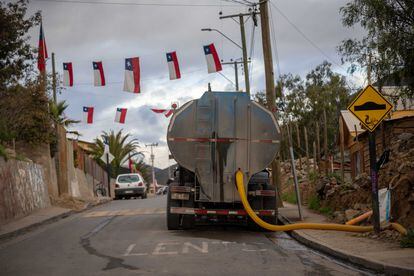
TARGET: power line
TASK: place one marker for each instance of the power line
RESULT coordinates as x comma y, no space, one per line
134,3
275,44
304,35
309,40
227,78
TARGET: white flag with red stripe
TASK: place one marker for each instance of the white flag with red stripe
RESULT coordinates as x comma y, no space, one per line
88,114
212,58
173,66
167,112
98,74
120,115
132,75
67,74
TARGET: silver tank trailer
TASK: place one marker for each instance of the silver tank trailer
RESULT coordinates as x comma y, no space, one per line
218,134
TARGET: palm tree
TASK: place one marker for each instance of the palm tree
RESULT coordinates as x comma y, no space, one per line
119,147
57,112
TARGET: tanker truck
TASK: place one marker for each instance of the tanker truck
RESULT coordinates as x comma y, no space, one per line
211,138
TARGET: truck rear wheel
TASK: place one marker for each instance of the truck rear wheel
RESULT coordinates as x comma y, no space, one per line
173,220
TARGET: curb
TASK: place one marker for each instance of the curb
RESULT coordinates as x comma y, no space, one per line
344,256
23,230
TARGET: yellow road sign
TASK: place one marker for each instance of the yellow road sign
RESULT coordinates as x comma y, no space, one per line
370,107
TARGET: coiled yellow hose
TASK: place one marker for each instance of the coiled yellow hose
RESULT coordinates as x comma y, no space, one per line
296,226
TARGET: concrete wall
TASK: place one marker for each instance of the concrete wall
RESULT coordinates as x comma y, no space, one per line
23,189
41,155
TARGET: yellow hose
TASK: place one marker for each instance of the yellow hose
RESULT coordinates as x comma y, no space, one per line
296,226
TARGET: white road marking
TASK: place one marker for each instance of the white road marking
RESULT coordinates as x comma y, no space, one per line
128,252
202,249
162,246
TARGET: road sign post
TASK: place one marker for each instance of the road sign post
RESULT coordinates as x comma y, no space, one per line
374,181
370,107
108,171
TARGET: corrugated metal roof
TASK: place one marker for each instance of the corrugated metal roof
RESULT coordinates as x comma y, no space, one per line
351,121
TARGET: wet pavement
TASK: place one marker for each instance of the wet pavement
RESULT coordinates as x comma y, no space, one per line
129,237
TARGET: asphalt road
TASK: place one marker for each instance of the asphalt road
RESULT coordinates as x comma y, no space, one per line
129,237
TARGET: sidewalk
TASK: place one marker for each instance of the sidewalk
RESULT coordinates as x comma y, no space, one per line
380,256
40,217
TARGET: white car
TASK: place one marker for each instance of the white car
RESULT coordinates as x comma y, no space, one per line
130,185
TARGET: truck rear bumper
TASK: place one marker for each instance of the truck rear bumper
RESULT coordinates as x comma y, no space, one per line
196,211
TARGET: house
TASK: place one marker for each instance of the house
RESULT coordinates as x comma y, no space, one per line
356,138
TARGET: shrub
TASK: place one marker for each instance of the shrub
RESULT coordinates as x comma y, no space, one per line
314,203
408,240
289,197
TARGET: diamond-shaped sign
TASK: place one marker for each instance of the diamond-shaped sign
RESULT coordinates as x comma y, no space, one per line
370,107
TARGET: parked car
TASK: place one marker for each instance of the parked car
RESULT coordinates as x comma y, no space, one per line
130,185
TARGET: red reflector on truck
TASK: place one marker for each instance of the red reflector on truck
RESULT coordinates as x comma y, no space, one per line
183,210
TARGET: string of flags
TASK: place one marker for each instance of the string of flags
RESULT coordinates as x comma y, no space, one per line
132,75
120,115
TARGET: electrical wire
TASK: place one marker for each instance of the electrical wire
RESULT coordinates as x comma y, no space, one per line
133,3
311,42
276,53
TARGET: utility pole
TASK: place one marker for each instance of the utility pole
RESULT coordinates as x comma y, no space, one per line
270,88
54,78
244,47
236,71
57,155
152,156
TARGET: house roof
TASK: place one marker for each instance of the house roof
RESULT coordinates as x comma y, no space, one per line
351,123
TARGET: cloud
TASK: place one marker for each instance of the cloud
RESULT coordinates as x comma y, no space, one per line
82,33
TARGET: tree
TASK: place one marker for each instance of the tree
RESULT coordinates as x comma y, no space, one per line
24,114
24,111
389,41
120,146
16,54
304,101
57,112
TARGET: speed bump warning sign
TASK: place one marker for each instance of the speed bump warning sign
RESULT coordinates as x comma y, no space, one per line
370,107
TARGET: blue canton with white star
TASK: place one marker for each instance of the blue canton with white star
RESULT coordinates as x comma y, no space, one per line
128,64
207,50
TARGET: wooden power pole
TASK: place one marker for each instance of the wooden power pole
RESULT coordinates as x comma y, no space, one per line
270,87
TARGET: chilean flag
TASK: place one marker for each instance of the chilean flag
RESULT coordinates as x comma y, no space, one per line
213,61
88,114
42,54
120,115
167,112
173,66
98,73
67,74
132,75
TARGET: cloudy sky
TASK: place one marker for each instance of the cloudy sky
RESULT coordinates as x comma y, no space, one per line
86,32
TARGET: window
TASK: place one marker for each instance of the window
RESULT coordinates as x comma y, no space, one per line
128,178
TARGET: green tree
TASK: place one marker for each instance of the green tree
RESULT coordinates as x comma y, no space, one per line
120,146
16,54
304,101
24,114
389,39
57,112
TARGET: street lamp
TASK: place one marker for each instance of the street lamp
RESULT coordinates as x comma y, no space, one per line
215,30
243,48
